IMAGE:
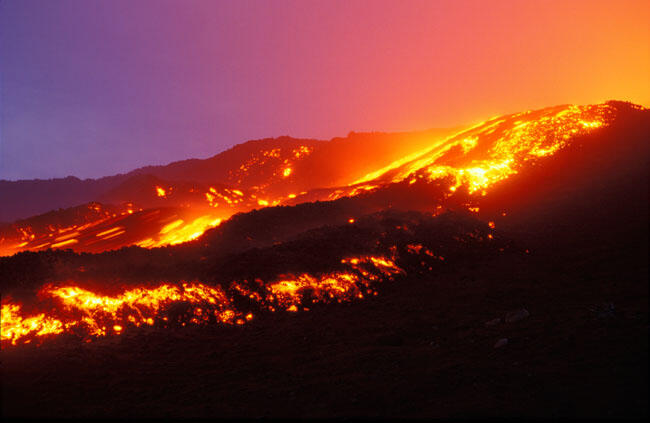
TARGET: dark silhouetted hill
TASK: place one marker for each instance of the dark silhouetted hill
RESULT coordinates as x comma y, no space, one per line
243,166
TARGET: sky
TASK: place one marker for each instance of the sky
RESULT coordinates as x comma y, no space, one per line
94,88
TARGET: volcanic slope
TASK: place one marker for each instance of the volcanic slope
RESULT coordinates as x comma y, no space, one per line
185,198
596,167
273,166
459,172
424,346
473,159
442,338
470,161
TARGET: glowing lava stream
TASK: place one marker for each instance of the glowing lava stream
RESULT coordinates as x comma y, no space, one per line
90,315
492,150
477,158
180,231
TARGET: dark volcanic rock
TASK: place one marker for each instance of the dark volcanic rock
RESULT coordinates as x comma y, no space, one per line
390,340
501,343
517,315
493,322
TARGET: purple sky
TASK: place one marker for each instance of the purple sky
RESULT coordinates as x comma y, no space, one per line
92,88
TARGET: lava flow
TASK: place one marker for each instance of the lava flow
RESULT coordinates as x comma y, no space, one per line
154,214
476,158
157,213
89,315
492,150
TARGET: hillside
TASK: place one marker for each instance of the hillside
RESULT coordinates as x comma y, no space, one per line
424,346
257,165
502,271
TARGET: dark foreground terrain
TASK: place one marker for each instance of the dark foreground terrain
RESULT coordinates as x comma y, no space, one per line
423,348
560,330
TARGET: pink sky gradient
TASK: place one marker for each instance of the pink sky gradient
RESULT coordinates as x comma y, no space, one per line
92,88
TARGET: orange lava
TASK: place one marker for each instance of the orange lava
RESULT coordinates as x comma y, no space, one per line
475,158
493,150
91,315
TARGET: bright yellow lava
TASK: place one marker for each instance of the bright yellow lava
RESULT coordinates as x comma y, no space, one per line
82,311
180,231
495,149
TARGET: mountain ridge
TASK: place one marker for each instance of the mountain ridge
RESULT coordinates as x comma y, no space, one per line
48,194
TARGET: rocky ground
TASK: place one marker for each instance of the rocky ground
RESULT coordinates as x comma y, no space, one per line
559,332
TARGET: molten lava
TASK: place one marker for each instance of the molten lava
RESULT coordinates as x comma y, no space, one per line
475,158
161,192
493,150
88,315
180,231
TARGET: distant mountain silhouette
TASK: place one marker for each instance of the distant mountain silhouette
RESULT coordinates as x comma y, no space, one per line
319,164
25,198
